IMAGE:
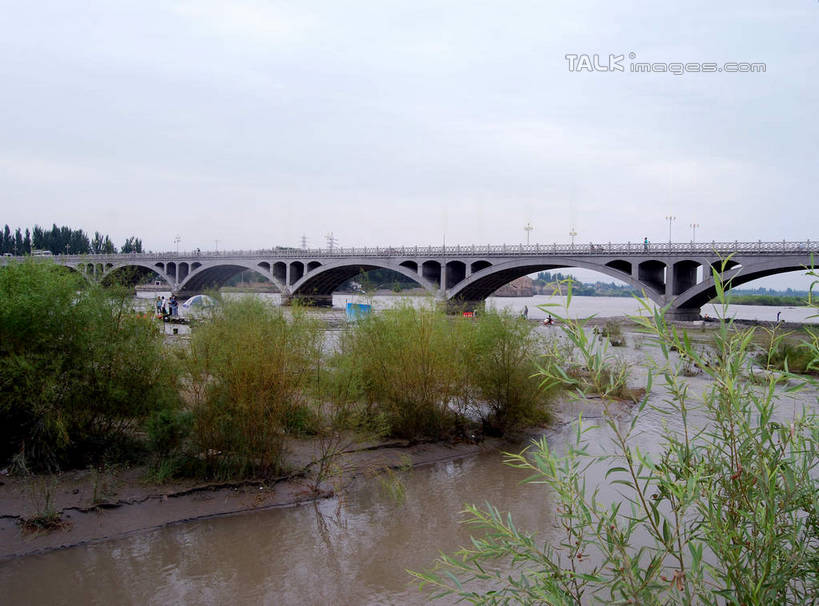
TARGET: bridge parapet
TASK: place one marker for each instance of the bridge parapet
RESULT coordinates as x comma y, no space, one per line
675,274
470,250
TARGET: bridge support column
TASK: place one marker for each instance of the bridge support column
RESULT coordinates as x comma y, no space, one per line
683,315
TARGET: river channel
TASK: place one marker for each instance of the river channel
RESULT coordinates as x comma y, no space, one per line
353,549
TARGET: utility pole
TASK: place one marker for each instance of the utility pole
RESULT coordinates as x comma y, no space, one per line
527,228
177,239
304,241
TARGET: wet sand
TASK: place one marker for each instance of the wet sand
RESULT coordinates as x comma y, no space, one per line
100,506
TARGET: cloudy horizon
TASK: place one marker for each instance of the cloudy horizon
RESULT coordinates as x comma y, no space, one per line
258,123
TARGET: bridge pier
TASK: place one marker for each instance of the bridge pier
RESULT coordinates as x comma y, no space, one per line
683,315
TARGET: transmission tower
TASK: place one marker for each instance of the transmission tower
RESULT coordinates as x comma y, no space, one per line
332,242
304,241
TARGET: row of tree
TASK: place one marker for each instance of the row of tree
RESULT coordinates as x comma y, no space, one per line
62,240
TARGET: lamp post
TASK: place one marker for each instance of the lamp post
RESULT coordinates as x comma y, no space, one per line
572,234
670,219
527,228
177,239
694,227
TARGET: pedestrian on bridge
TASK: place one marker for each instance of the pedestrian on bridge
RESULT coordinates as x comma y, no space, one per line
645,243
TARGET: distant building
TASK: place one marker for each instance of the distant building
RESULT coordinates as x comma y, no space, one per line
522,287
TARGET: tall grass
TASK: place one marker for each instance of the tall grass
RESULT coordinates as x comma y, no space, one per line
250,368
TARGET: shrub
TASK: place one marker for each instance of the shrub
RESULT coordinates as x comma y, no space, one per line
614,333
794,357
78,370
403,364
498,352
250,367
168,429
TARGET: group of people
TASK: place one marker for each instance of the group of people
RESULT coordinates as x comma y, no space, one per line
167,307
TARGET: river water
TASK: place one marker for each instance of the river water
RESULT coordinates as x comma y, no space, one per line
581,307
353,551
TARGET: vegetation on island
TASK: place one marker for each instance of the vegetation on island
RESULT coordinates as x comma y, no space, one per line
779,300
86,381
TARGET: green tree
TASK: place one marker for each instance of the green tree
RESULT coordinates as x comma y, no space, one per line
132,245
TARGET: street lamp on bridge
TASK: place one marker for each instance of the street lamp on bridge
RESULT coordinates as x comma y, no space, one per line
694,227
527,228
572,234
670,219
177,239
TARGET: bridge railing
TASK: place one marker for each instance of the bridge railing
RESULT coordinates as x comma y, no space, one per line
489,250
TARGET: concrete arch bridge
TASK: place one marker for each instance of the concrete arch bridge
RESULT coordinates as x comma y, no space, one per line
678,275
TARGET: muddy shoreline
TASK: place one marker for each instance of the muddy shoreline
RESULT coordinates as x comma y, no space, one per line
98,507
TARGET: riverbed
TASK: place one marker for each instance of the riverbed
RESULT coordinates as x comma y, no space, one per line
348,549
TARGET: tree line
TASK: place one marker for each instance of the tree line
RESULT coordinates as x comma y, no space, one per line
62,240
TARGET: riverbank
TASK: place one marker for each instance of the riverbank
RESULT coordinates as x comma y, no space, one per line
100,506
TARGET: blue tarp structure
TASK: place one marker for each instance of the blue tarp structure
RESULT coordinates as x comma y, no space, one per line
357,310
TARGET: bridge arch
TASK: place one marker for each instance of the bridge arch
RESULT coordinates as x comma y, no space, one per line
697,296
325,279
139,267
205,276
483,283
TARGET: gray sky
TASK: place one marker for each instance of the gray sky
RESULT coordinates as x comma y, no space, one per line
253,123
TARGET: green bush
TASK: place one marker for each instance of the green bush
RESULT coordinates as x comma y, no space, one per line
498,352
429,375
78,370
795,357
168,429
250,368
402,364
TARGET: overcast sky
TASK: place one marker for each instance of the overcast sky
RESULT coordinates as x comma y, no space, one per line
254,123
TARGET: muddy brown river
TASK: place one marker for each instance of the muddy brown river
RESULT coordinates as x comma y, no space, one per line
349,550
